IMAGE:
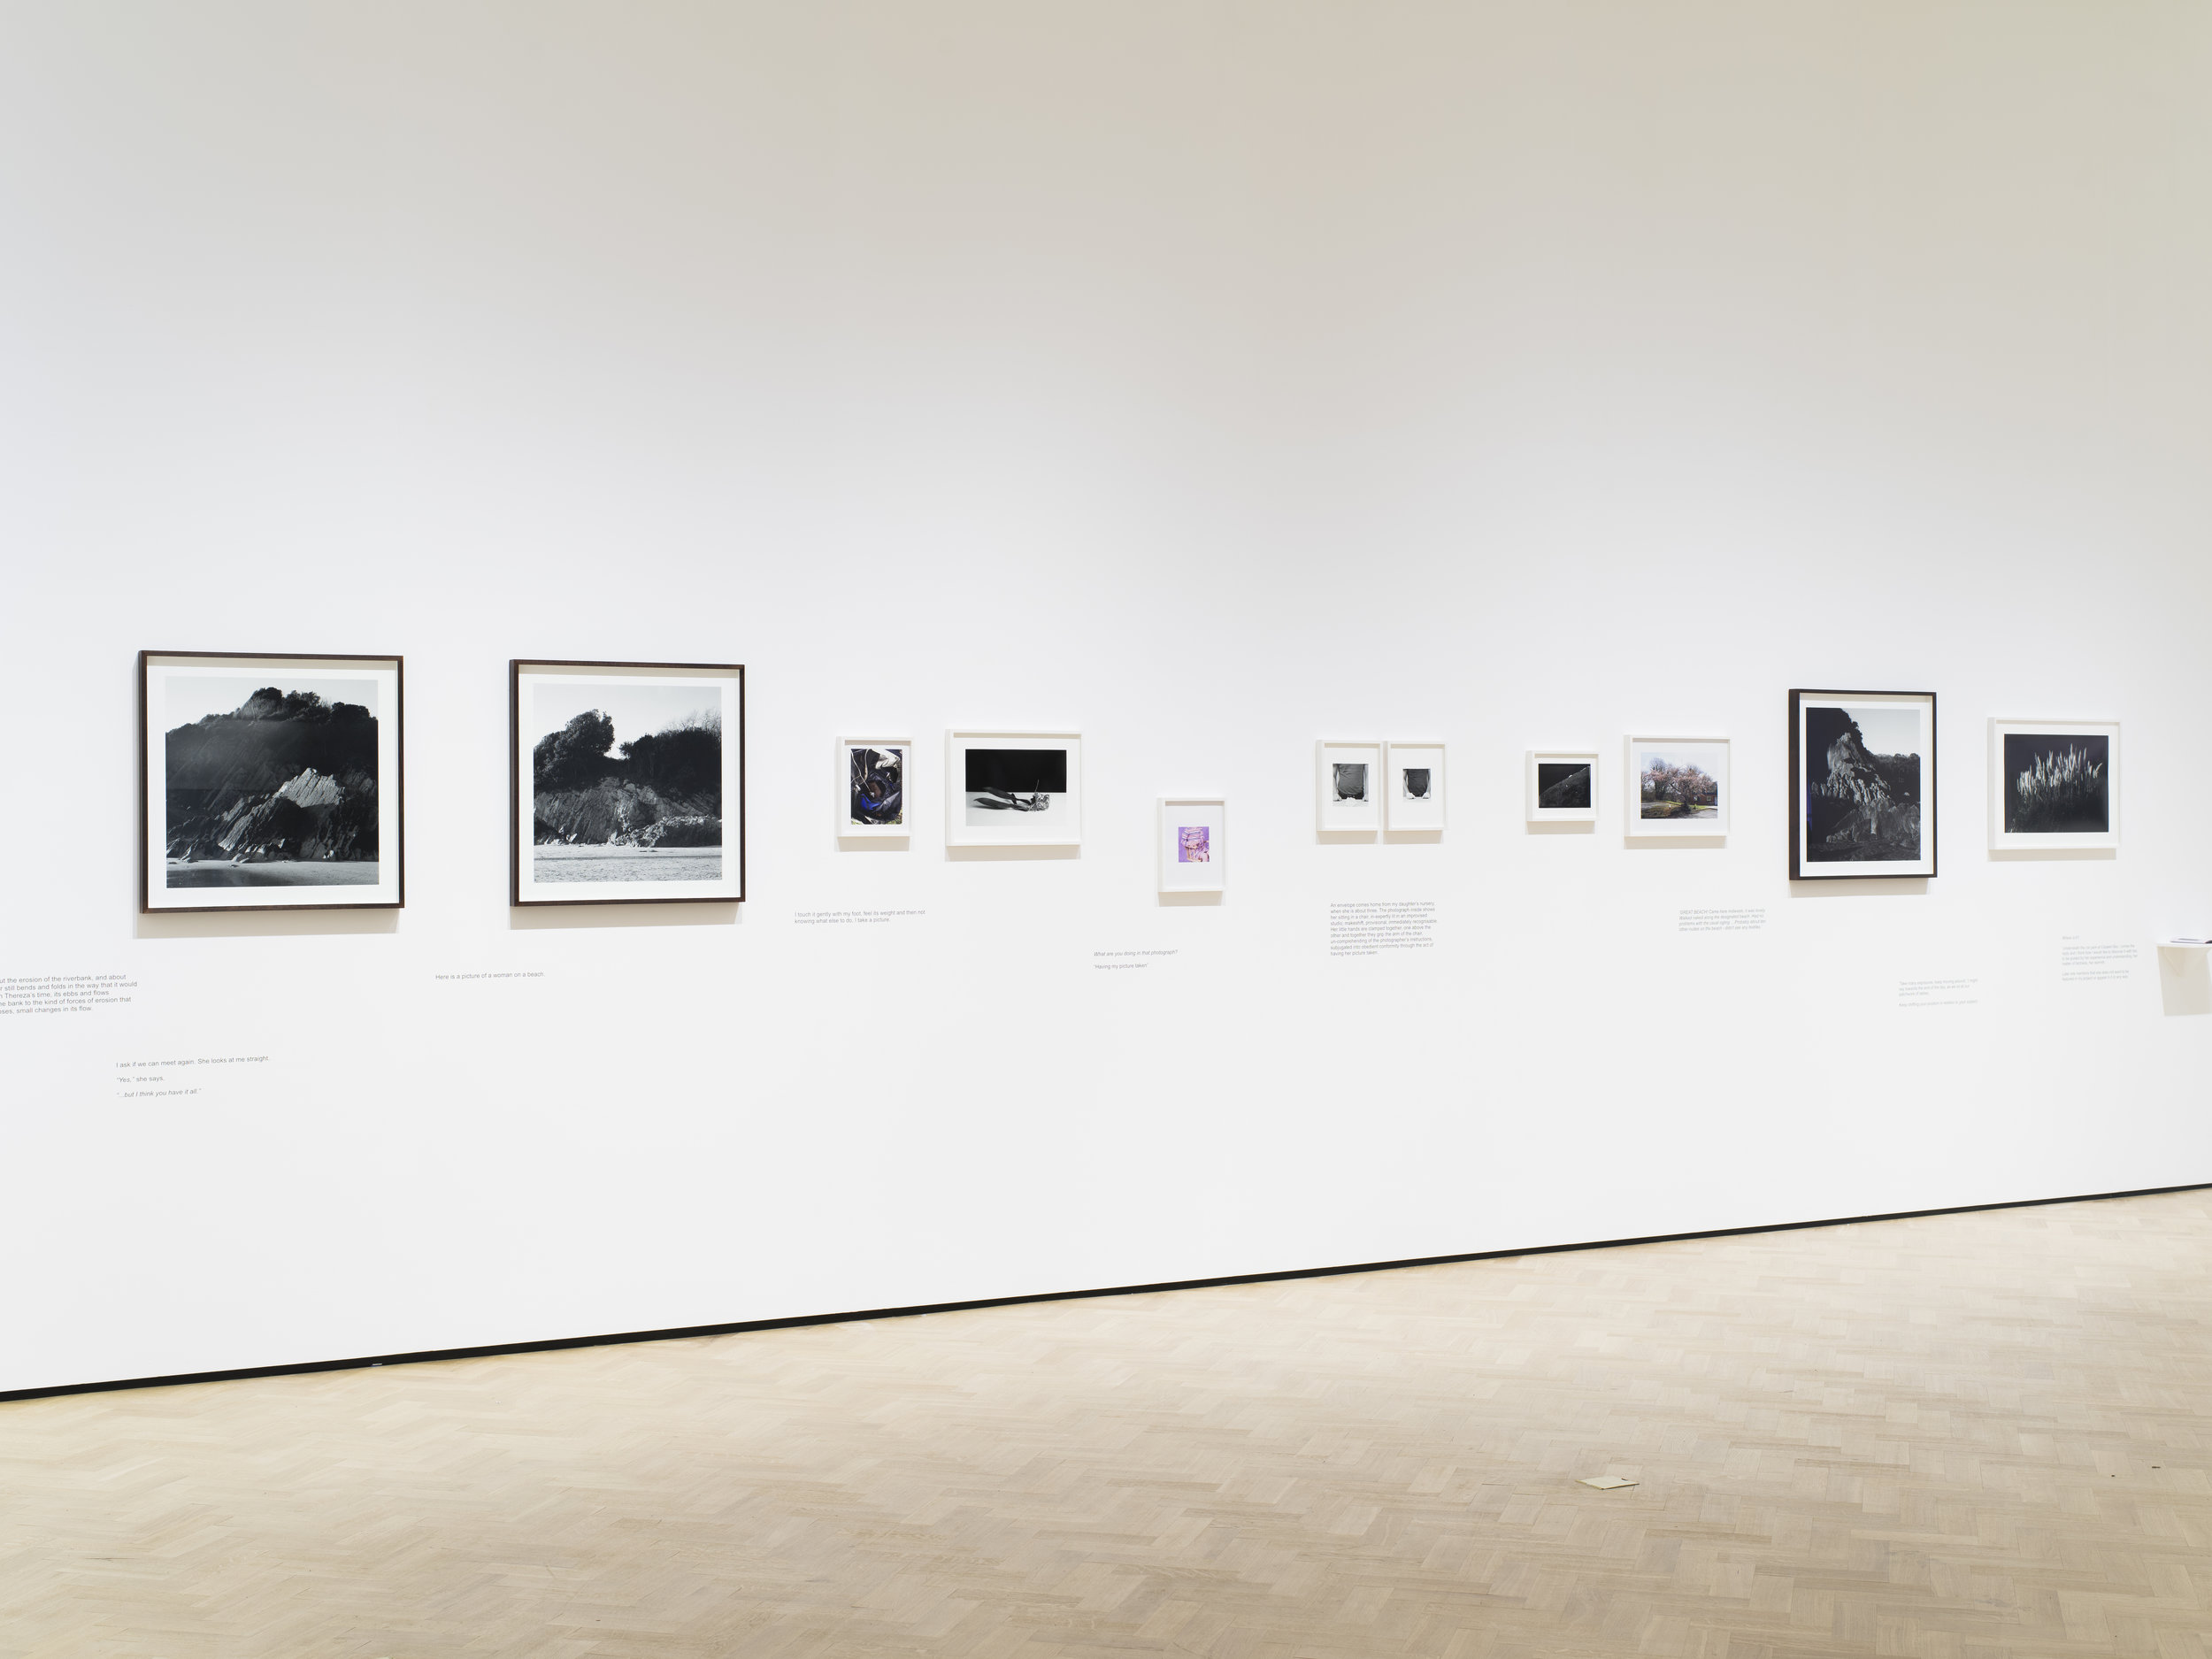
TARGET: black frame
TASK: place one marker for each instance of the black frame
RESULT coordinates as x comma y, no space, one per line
1874,872
145,777
515,665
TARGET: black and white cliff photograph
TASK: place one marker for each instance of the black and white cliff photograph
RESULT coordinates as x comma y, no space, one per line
269,782
2054,786
1014,789
1862,784
628,782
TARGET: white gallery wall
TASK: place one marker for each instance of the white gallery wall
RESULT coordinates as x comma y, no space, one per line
1208,379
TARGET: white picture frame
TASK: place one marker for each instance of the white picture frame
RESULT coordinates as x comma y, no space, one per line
1193,843
874,788
1414,786
1665,818
1027,788
2063,774
1346,802
1573,772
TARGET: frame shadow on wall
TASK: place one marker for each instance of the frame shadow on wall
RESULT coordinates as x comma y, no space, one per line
1869,888
1007,854
644,913
270,923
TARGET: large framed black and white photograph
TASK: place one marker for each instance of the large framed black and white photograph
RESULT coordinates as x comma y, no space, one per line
269,782
628,782
2053,786
1013,790
1862,784
874,788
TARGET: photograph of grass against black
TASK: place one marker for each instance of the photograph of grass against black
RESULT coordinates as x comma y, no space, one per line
2057,786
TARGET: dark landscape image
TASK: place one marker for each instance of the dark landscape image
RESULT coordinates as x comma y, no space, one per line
1677,789
2057,786
1860,807
1563,786
1013,779
282,791
648,810
878,784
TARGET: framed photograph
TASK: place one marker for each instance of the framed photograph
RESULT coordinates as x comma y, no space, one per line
1193,843
269,782
628,782
1563,786
872,799
1013,790
1677,786
1350,785
1862,784
2053,786
1413,792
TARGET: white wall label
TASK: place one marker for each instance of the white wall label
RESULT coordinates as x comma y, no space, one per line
1939,993
156,1079
1368,928
846,919
1740,921
2081,962
65,993
1129,958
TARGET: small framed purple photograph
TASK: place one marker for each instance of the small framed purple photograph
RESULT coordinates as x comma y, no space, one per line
1194,844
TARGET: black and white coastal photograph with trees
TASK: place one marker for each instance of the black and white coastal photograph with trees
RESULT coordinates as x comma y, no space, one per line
626,777
1862,775
270,781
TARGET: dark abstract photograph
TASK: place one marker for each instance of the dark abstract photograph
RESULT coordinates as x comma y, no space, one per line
1862,783
1014,780
270,785
877,787
2057,785
1563,786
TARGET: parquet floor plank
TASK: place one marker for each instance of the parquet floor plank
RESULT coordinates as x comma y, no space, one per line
1963,1437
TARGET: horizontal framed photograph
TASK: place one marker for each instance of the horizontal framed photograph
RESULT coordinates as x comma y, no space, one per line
628,782
1862,785
1013,790
1563,786
1193,843
1349,785
1413,792
873,802
1677,786
270,782
2053,786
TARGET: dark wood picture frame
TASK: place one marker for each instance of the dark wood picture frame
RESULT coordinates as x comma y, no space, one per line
398,665
515,846
1931,814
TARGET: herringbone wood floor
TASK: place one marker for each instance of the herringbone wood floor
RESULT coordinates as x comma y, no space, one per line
1963,1436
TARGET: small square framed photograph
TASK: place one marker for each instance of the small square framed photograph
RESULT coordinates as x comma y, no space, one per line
1413,792
1677,786
1013,790
2053,786
1862,785
1349,785
1563,786
626,782
270,782
874,801
1193,843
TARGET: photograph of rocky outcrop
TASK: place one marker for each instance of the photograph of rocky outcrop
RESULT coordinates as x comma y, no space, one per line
1863,783
622,783
1563,785
277,789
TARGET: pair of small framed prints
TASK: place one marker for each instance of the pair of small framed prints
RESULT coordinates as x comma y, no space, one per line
1001,789
1363,787
1677,787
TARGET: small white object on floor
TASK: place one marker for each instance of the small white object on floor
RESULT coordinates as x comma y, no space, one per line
1606,1483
